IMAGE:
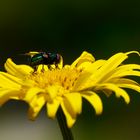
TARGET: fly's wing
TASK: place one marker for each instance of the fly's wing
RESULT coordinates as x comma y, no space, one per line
32,53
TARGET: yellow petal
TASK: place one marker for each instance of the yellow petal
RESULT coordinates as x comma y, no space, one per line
9,81
31,93
25,69
83,82
10,66
130,52
94,100
123,81
73,103
121,70
35,106
7,94
17,70
128,67
110,64
84,57
52,108
126,83
130,86
52,92
11,77
118,91
60,65
69,119
92,67
127,73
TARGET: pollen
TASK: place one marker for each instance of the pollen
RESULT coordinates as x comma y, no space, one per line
65,78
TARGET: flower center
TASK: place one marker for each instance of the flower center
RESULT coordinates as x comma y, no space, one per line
65,78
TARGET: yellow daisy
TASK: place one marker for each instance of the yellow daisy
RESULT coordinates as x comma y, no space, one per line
65,87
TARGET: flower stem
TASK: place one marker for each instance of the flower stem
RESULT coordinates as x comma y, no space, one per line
66,132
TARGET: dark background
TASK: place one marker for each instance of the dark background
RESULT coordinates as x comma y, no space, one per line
101,27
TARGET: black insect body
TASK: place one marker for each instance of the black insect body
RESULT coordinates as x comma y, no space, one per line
45,59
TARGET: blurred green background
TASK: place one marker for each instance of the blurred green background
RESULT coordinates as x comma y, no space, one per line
70,27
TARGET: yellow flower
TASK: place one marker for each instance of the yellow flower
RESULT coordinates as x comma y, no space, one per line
65,87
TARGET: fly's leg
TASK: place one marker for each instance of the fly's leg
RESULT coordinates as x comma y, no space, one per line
43,69
56,66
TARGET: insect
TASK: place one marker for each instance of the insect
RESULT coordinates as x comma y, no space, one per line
44,58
